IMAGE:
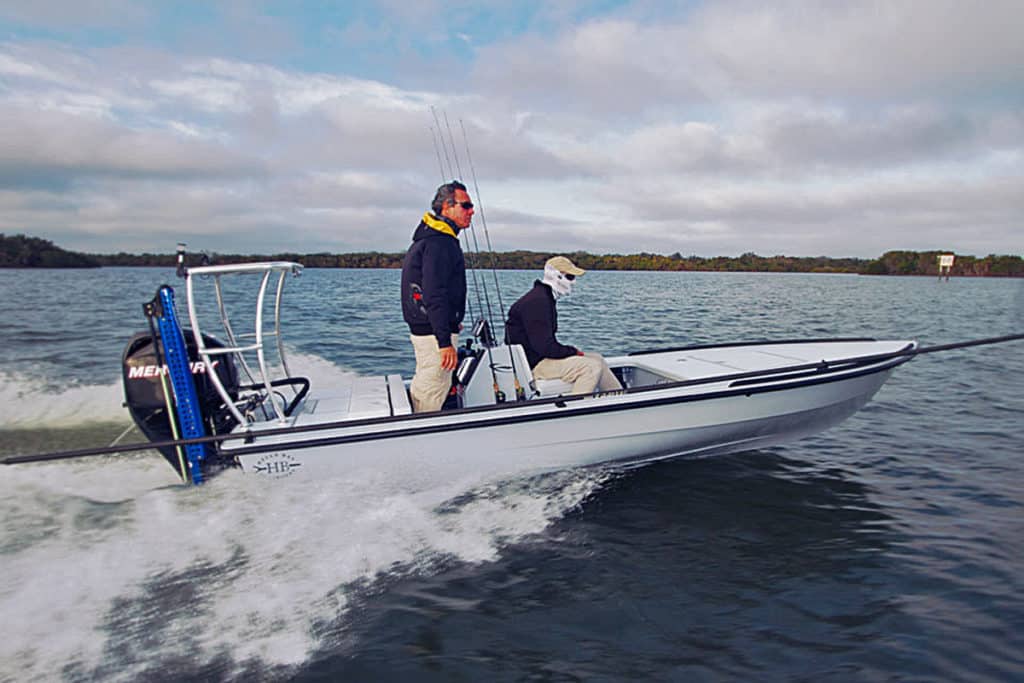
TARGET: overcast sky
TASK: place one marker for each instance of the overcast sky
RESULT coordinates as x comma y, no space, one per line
708,128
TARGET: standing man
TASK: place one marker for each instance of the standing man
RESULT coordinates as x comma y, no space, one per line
533,322
434,294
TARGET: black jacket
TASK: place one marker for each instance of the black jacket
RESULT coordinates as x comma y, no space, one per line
533,322
434,282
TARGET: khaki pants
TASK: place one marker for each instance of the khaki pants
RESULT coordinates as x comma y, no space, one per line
587,374
431,383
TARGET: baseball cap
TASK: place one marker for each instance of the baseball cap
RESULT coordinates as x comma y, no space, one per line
564,265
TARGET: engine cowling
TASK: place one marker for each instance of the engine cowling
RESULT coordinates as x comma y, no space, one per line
144,389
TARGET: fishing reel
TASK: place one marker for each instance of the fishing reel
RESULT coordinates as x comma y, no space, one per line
482,332
468,358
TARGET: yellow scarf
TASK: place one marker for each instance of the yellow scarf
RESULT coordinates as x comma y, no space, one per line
437,224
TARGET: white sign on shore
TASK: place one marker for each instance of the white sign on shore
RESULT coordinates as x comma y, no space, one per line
945,264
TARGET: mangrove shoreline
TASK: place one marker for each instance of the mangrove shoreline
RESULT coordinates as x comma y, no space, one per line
21,251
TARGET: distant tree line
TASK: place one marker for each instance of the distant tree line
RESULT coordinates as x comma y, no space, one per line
927,263
369,259
19,251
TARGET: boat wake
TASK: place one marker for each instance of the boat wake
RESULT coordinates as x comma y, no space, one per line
113,571
34,400
109,578
30,403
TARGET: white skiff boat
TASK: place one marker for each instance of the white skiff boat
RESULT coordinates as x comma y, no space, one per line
249,411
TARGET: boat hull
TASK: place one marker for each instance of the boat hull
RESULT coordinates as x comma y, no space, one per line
621,429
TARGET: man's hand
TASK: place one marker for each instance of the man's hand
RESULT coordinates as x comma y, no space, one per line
449,358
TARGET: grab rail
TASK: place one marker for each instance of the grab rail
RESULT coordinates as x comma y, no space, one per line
260,377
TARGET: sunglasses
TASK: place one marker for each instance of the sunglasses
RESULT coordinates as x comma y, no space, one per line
464,205
569,276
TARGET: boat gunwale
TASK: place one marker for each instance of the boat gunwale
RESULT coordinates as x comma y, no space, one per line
764,342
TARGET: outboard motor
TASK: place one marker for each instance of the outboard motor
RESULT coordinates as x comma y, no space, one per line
144,389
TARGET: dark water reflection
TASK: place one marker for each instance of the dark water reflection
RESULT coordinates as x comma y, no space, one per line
760,566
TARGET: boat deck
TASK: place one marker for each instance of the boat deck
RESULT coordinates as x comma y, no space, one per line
725,360
365,397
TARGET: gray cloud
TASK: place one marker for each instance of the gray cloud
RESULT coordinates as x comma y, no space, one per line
614,67
732,51
67,147
797,128
942,47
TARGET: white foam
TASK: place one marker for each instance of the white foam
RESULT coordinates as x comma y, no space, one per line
270,564
27,403
109,568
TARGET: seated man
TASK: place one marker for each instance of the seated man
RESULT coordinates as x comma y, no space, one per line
533,322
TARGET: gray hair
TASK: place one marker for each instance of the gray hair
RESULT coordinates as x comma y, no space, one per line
445,195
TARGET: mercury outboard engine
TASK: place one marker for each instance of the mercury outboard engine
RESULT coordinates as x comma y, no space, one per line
144,389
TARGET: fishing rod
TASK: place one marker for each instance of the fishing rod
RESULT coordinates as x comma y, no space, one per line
434,133
520,394
903,352
444,149
476,246
452,173
499,395
485,301
475,249
483,219
249,436
437,151
437,134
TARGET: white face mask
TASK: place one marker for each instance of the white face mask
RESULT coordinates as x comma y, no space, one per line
560,285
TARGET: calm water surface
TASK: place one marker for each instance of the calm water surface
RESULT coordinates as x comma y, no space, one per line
888,548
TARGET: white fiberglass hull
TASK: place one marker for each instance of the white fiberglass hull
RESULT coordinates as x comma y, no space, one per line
683,418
